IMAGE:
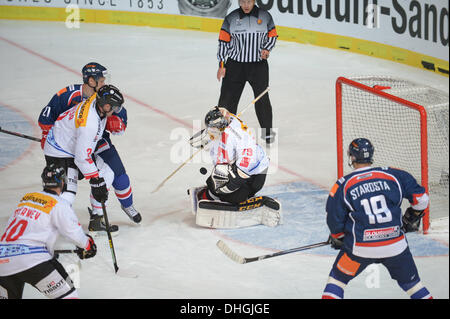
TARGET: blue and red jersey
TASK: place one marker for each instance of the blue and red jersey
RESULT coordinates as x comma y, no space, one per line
365,206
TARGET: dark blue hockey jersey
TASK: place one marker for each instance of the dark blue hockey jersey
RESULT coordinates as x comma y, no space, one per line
365,206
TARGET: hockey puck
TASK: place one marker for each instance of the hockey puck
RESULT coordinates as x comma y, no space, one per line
203,171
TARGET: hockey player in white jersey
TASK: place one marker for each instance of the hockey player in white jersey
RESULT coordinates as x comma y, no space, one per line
71,143
240,169
27,243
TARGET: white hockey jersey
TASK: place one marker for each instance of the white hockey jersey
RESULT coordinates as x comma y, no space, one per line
33,229
75,134
236,144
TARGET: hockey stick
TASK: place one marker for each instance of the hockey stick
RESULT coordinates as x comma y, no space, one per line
244,260
203,146
108,232
20,135
178,168
64,251
111,246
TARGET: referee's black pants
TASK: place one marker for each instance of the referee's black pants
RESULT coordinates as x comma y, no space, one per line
257,75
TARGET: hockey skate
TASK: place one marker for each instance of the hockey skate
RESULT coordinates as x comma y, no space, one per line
97,225
132,213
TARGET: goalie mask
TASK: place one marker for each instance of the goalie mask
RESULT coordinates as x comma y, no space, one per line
361,151
216,121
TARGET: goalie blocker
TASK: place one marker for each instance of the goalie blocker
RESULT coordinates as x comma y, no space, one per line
216,214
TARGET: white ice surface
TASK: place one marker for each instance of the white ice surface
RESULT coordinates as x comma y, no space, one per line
174,72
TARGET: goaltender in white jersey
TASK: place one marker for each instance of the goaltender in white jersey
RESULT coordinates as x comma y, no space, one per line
236,145
27,243
240,169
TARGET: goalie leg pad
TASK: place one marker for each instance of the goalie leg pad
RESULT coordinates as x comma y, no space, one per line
193,193
254,211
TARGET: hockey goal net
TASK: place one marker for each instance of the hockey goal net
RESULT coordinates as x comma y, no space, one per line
408,126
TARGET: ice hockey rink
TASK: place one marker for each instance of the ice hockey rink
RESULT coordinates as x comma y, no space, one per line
169,81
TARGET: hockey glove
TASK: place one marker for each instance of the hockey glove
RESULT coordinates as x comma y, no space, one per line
336,240
411,220
220,176
45,129
115,125
236,178
98,189
89,251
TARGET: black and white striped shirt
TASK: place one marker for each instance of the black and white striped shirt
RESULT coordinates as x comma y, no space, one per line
243,36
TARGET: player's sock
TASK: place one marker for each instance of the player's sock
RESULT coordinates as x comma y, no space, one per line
123,190
416,290
334,289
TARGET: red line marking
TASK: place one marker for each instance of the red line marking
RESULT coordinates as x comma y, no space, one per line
154,109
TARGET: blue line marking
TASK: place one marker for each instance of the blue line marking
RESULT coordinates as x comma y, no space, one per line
12,147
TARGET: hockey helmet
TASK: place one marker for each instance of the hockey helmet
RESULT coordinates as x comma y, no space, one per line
360,150
109,94
215,119
94,70
53,176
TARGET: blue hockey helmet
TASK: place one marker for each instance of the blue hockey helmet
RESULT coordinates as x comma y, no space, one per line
94,70
360,150
53,176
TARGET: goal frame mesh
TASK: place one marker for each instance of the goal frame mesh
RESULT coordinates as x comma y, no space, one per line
420,109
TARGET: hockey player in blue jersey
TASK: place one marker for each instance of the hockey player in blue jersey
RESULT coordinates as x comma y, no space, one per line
366,223
94,76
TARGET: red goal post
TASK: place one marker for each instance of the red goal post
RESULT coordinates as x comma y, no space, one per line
395,115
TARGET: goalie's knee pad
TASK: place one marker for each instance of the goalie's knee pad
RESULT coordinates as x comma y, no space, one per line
254,211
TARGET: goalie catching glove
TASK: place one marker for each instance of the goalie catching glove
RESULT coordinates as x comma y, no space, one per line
411,220
227,178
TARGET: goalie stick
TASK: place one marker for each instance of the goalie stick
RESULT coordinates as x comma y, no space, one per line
200,133
244,260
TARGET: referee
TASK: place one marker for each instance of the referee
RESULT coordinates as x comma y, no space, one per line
246,38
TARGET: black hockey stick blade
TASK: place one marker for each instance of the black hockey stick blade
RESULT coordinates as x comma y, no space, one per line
20,135
244,260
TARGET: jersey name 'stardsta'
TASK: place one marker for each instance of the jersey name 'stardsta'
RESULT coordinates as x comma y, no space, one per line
243,37
366,206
